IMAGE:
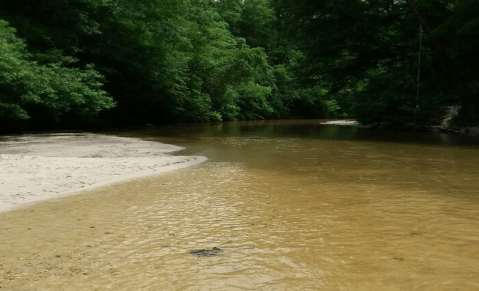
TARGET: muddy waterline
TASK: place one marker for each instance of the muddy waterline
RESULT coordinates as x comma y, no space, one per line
291,205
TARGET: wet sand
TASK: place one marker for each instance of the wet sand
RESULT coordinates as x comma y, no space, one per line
44,166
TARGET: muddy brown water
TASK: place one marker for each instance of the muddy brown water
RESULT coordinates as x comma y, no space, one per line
292,205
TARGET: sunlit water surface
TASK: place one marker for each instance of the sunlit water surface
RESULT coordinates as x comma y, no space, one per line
293,205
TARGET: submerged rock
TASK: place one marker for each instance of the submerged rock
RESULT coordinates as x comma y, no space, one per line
206,253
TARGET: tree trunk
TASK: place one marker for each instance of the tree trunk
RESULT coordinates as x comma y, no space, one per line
468,97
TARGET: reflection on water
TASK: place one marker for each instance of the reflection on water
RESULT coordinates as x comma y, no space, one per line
292,205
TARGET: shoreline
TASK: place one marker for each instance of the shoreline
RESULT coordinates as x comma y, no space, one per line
38,167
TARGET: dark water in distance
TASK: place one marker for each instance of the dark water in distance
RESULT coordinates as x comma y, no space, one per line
307,129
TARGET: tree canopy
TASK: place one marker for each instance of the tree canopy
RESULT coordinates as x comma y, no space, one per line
367,51
135,62
45,86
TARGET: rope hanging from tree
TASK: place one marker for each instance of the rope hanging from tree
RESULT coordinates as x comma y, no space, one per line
418,77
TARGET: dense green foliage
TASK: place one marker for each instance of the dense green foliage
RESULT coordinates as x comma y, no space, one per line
143,61
161,60
366,54
34,86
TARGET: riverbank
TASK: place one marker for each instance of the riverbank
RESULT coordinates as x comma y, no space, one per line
38,167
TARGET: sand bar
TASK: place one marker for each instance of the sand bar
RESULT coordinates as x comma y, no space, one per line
341,122
42,166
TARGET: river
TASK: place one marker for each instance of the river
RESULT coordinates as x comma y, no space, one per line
280,205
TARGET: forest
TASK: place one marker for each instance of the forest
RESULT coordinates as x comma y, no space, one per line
100,63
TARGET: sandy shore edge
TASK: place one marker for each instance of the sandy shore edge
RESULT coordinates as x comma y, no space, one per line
43,166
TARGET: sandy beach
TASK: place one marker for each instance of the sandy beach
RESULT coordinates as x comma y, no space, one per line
36,167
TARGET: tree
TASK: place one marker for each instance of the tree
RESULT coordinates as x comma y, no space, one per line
468,96
255,22
33,86
370,47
